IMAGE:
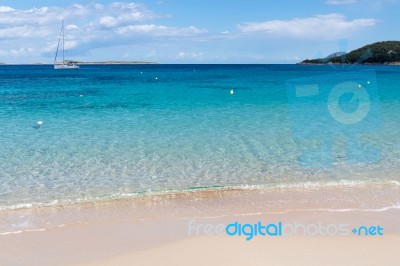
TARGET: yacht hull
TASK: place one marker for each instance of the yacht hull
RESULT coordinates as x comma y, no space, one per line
64,66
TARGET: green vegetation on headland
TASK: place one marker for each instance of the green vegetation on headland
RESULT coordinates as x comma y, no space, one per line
379,53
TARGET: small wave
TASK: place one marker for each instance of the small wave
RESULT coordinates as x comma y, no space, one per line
124,196
22,231
340,183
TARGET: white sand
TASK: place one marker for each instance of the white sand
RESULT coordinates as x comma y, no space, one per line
280,251
170,230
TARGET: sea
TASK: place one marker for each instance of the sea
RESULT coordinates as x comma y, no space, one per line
106,132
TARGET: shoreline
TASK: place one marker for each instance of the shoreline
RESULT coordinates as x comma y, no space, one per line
145,229
271,187
339,198
212,189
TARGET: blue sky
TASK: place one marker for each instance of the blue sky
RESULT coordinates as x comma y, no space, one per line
197,31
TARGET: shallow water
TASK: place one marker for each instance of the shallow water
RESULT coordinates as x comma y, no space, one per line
114,131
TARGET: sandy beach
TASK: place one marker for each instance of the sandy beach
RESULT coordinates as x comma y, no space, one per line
172,133
173,229
295,251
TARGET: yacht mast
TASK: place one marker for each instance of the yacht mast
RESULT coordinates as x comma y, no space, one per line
63,65
58,44
62,26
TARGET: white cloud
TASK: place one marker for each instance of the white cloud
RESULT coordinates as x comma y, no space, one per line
189,55
157,30
17,52
122,13
6,9
71,27
320,26
341,2
25,32
41,16
108,21
94,26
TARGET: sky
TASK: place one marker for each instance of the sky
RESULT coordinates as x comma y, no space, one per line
195,31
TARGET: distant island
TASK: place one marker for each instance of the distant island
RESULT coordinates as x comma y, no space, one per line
94,63
116,63
379,53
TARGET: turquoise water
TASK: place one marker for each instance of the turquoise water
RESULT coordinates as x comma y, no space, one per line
116,131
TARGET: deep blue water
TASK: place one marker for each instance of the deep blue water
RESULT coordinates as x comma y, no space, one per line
112,131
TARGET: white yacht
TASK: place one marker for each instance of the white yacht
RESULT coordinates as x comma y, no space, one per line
63,64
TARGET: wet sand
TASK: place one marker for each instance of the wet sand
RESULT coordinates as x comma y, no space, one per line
183,227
